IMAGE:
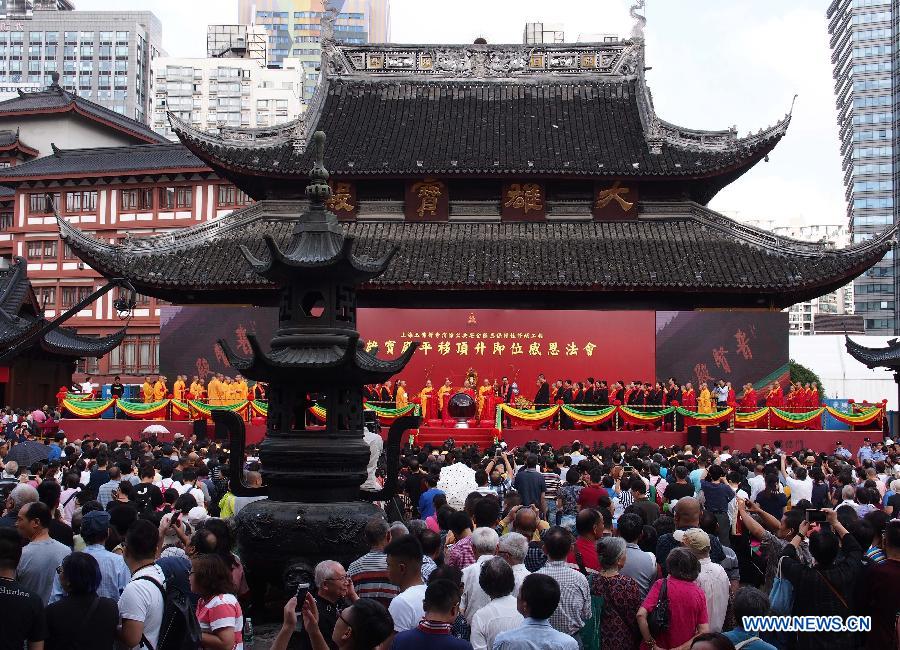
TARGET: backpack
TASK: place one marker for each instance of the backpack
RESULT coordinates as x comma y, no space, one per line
179,629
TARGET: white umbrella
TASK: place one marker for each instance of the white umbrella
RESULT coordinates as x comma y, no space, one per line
156,429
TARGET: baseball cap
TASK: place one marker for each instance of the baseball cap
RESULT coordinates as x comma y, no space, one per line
695,539
95,522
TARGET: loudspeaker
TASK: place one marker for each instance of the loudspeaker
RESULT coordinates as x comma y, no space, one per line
694,437
714,436
200,429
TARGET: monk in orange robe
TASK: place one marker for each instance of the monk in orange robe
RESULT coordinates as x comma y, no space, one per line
196,389
444,393
241,390
147,391
214,390
485,391
159,389
775,396
179,388
426,396
688,396
401,401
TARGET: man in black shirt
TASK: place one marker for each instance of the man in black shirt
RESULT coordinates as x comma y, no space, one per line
117,389
49,493
542,397
334,593
681,487
23,612
99,475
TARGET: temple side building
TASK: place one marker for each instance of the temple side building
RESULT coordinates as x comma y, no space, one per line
43,363
507,175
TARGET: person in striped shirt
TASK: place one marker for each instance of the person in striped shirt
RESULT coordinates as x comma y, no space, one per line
218,611
369,573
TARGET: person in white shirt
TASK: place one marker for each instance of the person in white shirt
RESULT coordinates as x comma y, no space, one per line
798,480
141,604
484,543
404,563
513,547
501,614
757,481
712,579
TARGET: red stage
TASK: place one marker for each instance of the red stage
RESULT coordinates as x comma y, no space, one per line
112,430
740,439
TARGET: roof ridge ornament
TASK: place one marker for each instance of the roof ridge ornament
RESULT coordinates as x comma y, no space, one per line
640,21
318,191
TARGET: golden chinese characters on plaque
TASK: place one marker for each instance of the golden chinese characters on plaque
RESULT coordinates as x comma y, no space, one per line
342,200
522,200
615,201
427,200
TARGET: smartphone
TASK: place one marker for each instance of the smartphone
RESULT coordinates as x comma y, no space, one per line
175,518
815,516
302,590
627,468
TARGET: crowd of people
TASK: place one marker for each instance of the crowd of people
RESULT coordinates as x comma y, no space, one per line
617,547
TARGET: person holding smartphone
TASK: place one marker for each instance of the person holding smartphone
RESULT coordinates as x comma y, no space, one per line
333,594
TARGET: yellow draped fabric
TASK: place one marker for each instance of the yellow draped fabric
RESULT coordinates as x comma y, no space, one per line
401,399
704,402
147,392
178,390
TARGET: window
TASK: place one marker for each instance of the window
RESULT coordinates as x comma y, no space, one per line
875,202
71,296
46,297
81,201
136,199
229,195
137,355
879,323
6,221
39,204
41,249
171,198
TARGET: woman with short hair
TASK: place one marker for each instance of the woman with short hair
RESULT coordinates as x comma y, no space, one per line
81,619
688,615
621,597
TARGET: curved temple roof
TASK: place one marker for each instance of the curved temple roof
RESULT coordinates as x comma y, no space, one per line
680,253
573,111
21,316
888,357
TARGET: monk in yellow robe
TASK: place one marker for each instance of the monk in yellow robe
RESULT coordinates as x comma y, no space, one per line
402,401
147,391
425,397
196,389
241,390
159,389
228,391
214,390
704,400
444,393
179,388
485,391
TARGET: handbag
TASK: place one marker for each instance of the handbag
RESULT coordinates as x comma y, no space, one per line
781,597
658,620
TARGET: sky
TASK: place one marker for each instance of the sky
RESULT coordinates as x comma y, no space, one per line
714,65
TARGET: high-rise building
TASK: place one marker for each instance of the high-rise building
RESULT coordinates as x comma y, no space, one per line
538,33
294,28
863,36
225,92
103,56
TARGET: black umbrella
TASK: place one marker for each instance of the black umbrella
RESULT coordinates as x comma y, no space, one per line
28,452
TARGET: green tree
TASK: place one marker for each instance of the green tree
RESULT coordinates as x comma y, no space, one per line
804,375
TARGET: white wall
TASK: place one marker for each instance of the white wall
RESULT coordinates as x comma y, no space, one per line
842,375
